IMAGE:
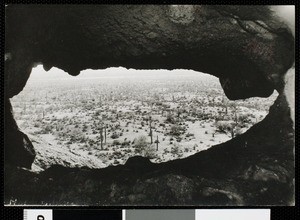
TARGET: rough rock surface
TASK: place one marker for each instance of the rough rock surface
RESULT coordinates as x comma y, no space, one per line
20,151
247,47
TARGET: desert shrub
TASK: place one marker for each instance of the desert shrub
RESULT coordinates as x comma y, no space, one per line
116,142
177,130
175,150
125,143
140,144
46,129
170,119
224,126
37,124
244,118
189,135
82,139
237,131
117,154
76,135
219,117
149,152
114,135
98,113
127,150
142,147
91,141
84,128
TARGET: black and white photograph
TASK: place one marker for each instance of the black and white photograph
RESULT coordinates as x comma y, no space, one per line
149,105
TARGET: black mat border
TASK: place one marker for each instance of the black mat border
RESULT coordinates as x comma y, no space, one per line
16,212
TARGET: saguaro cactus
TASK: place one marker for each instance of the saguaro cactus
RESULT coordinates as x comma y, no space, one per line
105,134
101,137
157,142
178,113
150,133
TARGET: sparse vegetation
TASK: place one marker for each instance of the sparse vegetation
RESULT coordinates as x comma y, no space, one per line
111,120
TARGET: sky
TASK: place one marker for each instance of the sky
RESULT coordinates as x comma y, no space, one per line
120,72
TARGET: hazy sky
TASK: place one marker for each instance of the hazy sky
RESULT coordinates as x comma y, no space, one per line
119,72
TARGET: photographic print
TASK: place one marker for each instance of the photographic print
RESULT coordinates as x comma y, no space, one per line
149,105
198,214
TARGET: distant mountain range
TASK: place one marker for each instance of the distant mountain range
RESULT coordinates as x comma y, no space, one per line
38,73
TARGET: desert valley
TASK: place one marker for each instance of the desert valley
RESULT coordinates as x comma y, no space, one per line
101,118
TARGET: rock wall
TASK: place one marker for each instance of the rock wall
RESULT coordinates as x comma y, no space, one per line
247,47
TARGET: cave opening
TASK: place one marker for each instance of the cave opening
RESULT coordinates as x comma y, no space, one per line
101,118
251,49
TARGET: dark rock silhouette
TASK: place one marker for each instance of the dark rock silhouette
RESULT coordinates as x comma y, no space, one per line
247,47
248,55
19,150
